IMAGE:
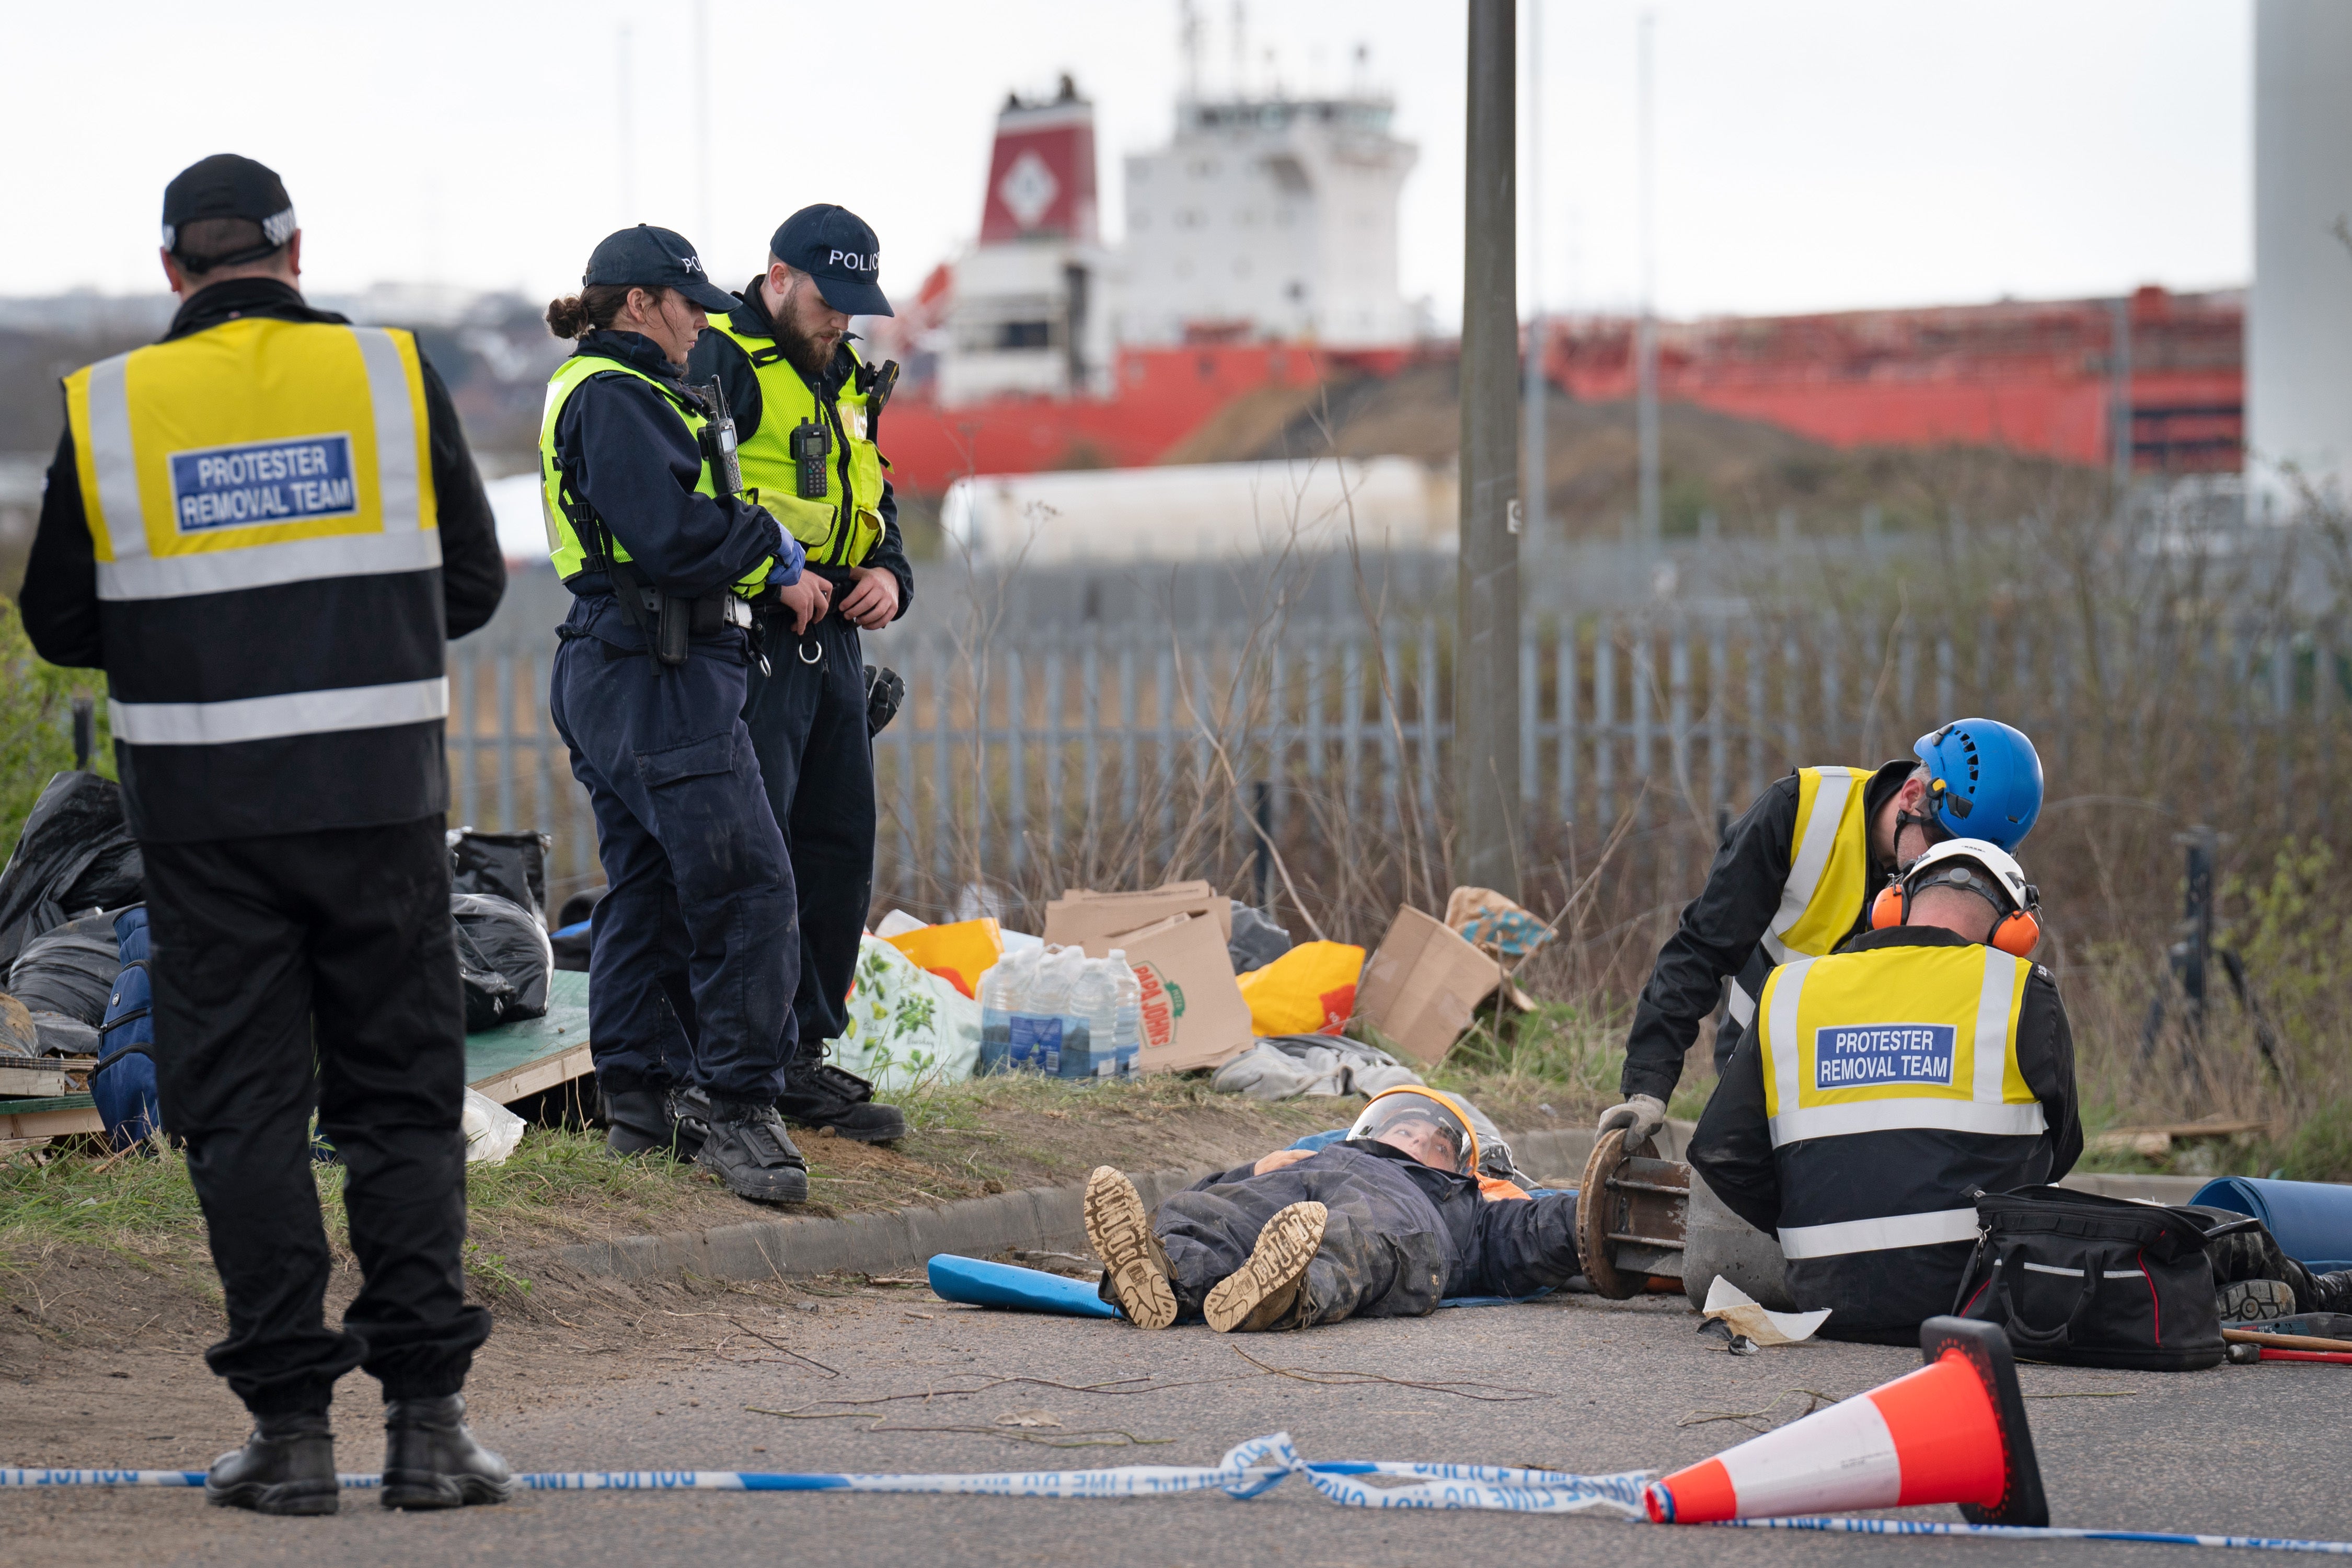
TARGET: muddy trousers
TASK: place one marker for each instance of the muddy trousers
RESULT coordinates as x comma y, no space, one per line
2254,1255
807,722
1365,1267
318,971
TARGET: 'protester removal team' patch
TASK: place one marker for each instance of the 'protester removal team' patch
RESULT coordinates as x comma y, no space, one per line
1858,1055
263,481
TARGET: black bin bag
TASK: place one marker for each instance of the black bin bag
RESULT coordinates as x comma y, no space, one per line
75,853
513,866
503,957
69,970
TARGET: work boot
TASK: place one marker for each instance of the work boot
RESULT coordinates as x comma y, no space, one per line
286,1465
2331,1292
2256,1302
431,1460
743,1143
645,1121
1119,1229
1268,1291
818,1094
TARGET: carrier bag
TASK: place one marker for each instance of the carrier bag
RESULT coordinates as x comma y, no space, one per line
123,1082
2087,1280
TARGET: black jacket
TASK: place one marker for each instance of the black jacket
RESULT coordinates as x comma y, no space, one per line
1732,1150
1722,929
59,601
627,454
717,354
1491,1247
280,638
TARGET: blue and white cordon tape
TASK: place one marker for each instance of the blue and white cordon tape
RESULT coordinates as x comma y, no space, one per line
1246,1470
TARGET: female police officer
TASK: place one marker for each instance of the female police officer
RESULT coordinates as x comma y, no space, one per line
647,692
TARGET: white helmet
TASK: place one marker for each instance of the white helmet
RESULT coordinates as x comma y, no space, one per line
1958,857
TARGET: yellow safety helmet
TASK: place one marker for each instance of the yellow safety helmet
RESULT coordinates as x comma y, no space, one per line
1432,1107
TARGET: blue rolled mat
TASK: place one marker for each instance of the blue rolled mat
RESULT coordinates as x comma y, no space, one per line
977,1282
2311,1221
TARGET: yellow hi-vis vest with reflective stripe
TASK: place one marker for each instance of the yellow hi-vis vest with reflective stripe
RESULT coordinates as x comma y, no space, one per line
1829,875
840,528
1890,1039
255,453
570,554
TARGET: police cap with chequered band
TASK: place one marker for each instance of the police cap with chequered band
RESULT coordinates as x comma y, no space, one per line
226,185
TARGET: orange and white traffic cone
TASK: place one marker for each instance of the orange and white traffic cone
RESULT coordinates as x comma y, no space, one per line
1954,1431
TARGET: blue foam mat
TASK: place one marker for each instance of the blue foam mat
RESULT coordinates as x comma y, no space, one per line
977,1282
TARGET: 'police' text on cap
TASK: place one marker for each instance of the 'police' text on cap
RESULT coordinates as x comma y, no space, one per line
834,246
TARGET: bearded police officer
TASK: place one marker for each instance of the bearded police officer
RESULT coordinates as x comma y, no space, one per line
807,408
1883,1085
693,948
262,529
1794,877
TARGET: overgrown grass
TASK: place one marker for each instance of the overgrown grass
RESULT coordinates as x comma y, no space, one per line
37,723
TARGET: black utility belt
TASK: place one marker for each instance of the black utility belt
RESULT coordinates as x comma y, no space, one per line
706,617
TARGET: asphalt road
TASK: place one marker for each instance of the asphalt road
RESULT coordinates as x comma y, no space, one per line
2237,1449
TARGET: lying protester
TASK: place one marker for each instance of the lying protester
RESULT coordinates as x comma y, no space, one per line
1883,1084
1386,1224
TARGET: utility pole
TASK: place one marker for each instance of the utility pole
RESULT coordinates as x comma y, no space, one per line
1531,489
703,239
1487,634
1645,341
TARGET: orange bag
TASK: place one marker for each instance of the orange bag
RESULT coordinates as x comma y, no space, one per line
959,953
1309,990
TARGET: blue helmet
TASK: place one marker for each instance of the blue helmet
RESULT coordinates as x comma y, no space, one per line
1984,779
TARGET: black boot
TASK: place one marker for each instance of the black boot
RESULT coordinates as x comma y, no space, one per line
743,1142
286,1465
818,1094
645,1121
431,1460
2330,1293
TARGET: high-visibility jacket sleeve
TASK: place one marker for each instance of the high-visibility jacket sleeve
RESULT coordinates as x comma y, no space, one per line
631,458
1525,1245
1717,932
59,599
889,551
473,567
1731,1150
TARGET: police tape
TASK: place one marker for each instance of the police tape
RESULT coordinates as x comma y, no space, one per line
1247,1469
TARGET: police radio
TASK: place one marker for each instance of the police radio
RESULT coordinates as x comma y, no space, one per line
812,444
717,441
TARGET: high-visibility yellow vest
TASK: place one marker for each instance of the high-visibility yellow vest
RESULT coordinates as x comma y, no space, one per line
841,527
559,504
1893,1039
1829,875
255,453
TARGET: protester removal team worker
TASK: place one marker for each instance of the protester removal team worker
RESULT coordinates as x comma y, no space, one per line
694,948
1884,1085
264,529
807,409
1386,1224
1793,879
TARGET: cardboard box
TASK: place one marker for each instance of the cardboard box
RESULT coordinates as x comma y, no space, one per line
1081,910
1194,1015
1422,985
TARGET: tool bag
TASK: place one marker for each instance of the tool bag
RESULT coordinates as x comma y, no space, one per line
2088,1281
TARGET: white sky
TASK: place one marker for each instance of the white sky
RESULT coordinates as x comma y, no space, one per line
1813,153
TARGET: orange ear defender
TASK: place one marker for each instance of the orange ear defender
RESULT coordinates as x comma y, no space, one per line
2016,934
1886,910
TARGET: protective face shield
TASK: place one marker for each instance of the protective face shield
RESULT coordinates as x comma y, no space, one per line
1425,1124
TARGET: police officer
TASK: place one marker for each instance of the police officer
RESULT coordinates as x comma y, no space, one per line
807,408
694,948
1883,1085
1794,877
263,528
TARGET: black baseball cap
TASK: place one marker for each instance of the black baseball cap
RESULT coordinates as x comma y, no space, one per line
226,185
835,247
649,258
